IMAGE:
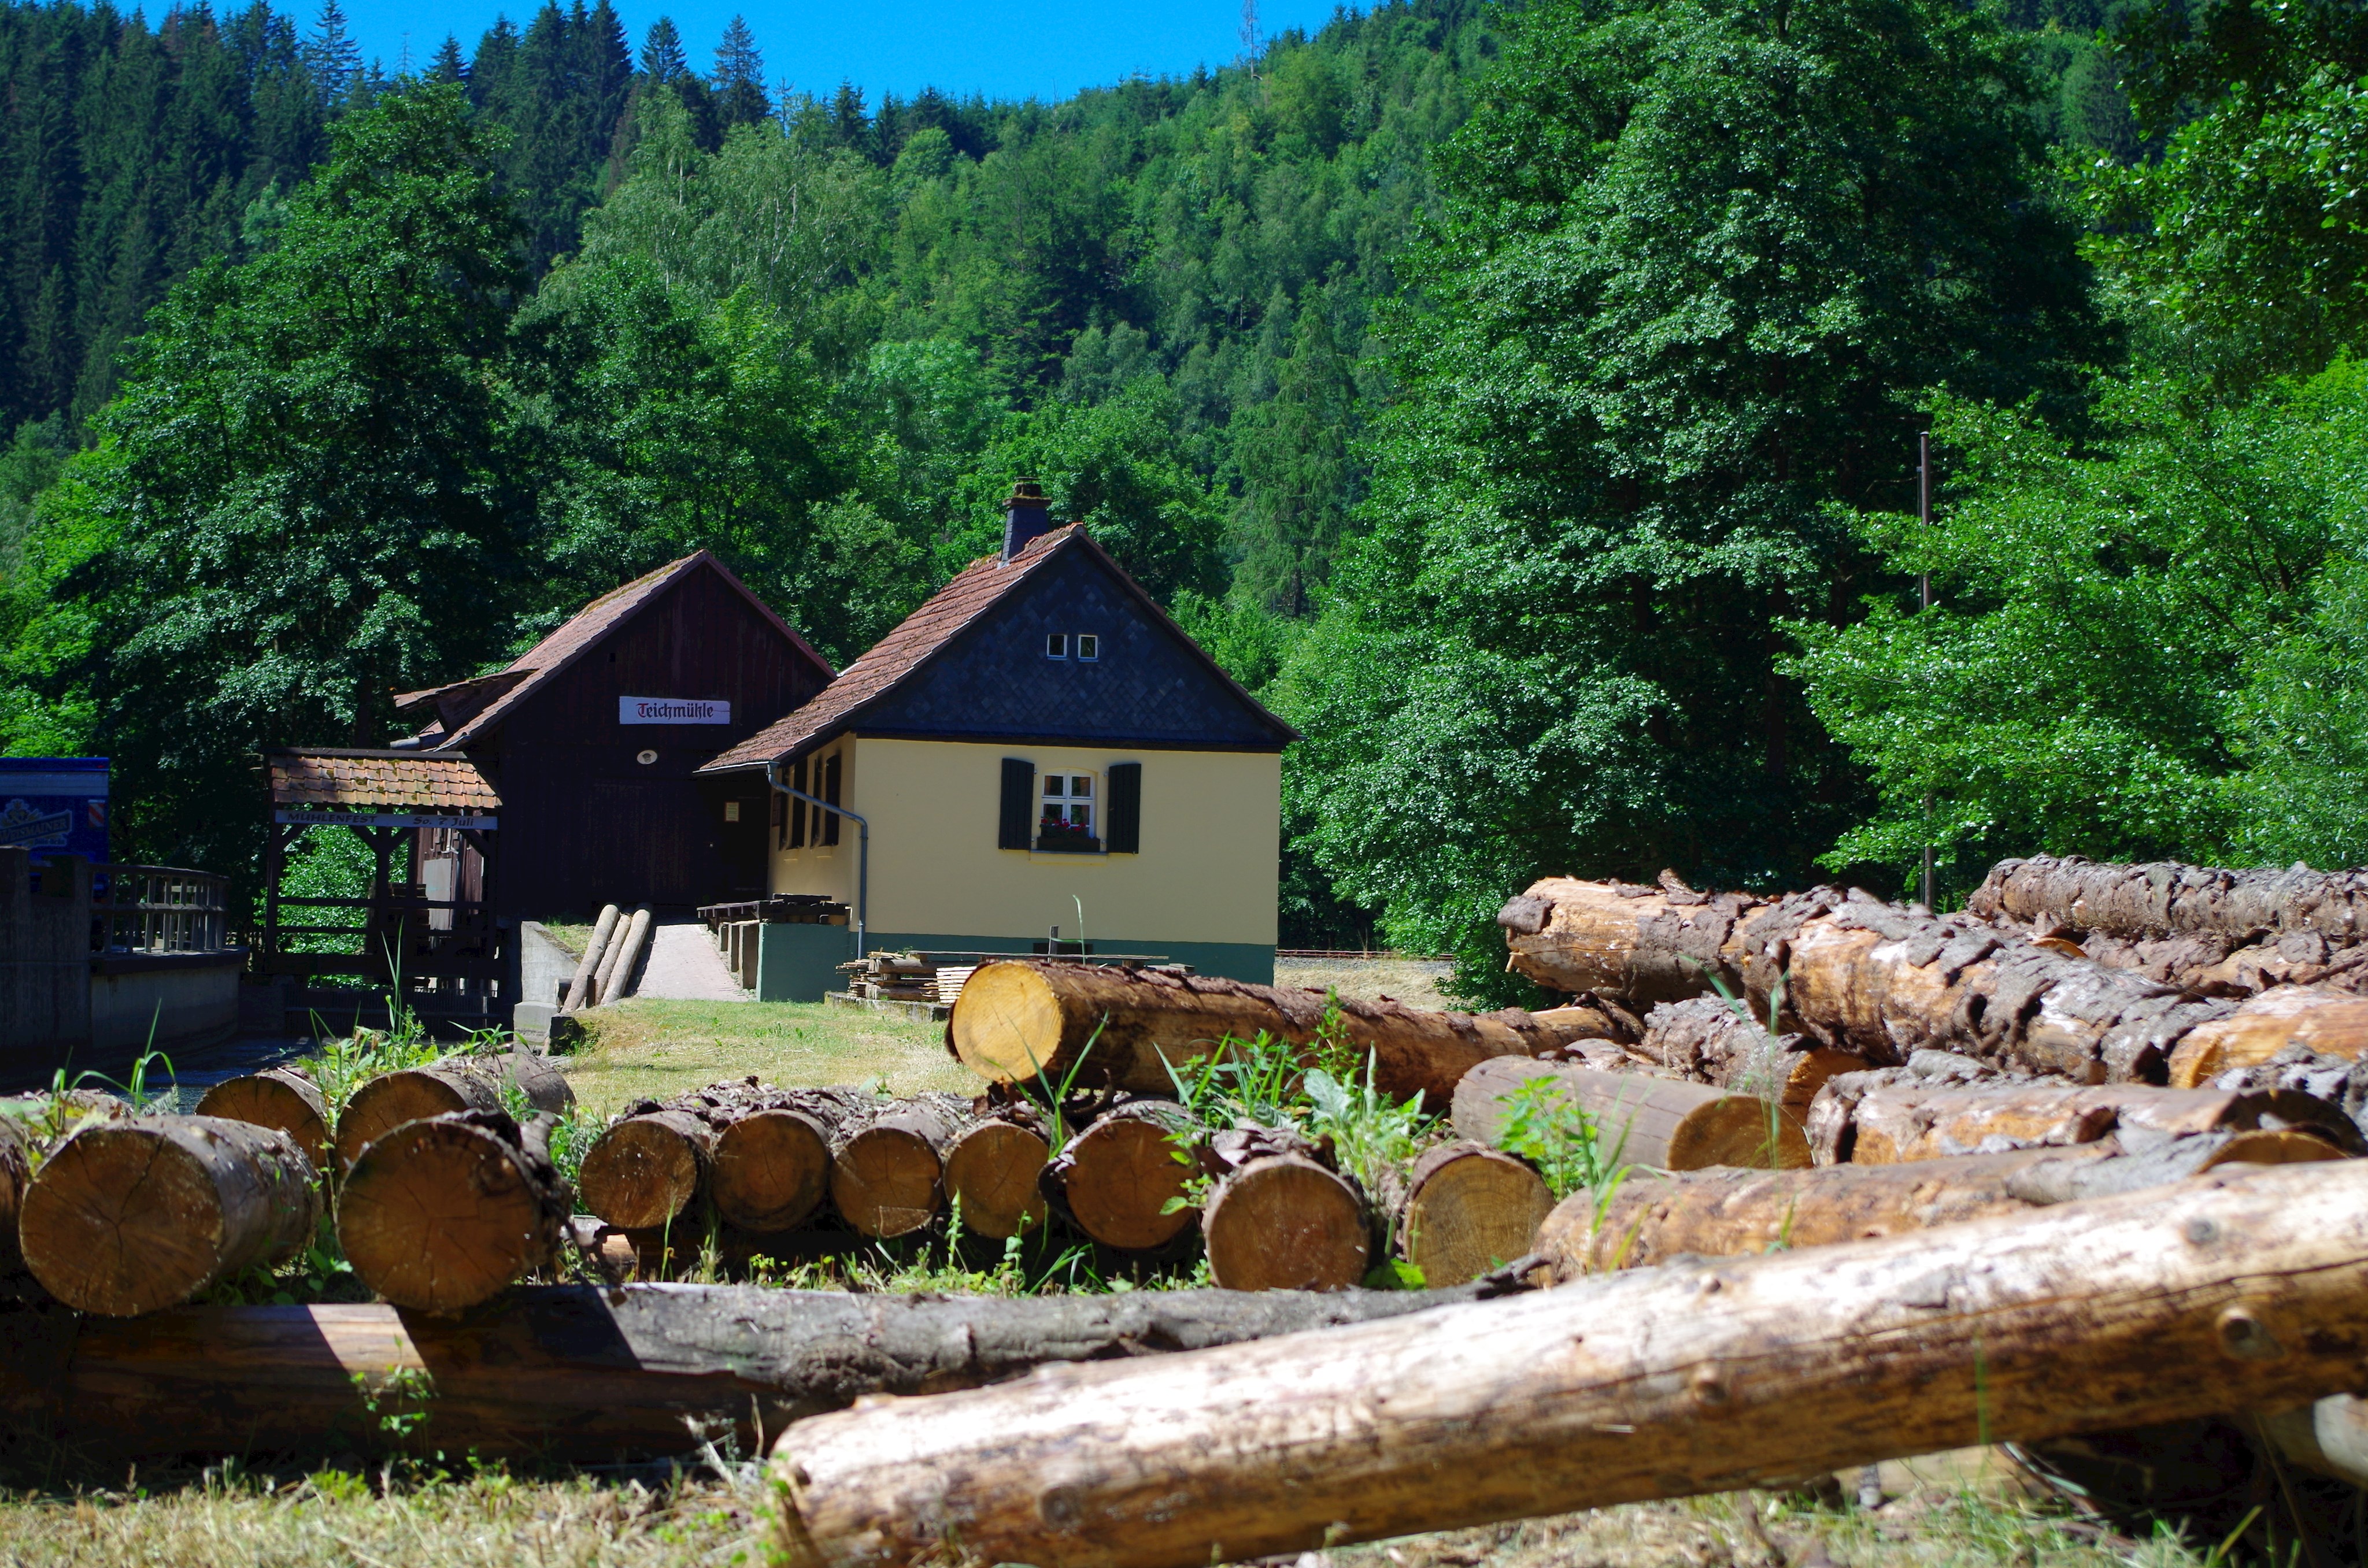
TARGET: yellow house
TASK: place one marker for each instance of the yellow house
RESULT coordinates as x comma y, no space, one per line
1036,757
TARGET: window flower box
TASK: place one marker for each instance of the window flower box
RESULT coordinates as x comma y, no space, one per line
1067,838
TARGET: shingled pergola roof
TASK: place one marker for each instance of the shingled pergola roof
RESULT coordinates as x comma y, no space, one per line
543,662
407,781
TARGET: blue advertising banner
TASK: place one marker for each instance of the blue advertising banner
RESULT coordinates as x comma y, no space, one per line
54,805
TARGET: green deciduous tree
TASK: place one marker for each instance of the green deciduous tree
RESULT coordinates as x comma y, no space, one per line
1695,260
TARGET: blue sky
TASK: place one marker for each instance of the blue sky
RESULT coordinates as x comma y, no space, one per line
1047,49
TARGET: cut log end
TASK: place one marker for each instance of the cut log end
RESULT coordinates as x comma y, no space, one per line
772,1169
992,1171
443,1214
887,1180
1286,1223
1006,1024
277,1098
1469,1210
136,1216
386,1103
1736,1131
1122,1173
643,1171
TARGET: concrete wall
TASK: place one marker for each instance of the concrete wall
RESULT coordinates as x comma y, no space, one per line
175,1005
44,961
1206,878
799,963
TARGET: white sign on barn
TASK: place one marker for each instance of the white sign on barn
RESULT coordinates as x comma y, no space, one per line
672,711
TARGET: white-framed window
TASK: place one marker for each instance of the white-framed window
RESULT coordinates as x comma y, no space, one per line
1056,644
1089,646
1064,815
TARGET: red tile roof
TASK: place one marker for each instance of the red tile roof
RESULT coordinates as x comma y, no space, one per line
407,781
569,643
914,640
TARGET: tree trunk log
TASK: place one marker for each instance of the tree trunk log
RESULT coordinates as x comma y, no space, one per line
1889,1124
1666,1383
649,1168
1469,1209
887,1174
132,1216
15,1176
444,1214
632,945
284,1097
1115,1180
1277,1219
2165,899
453,1084
579,1373
1653,1217
772,1157
1639,945
760,1155
1641,1120
993,1171
2329,1022
587,970
1015,1023
1705,1040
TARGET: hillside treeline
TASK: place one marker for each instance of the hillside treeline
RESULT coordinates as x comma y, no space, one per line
1525,402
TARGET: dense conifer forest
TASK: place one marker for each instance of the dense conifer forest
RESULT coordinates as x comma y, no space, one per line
1524,399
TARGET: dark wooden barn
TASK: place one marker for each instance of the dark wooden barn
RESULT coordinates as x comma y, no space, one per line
591,742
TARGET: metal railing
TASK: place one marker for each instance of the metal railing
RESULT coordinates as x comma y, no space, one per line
158,909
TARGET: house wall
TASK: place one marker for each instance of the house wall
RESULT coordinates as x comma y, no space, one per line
584,823
1203,891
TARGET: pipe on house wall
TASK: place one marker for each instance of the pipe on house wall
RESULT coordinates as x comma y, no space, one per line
862,847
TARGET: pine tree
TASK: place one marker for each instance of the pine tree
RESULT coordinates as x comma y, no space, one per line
739,78
662,57
331,55
847,121
449,66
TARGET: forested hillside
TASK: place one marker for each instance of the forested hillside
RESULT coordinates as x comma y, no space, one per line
1525,401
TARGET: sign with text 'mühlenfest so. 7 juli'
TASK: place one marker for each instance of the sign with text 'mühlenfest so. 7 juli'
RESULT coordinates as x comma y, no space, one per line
672,711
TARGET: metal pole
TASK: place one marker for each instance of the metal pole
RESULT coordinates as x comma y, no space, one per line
1924,592
862,847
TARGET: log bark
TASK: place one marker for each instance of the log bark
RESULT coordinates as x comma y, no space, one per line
887,1173
1278,1217
1638,945
1018,1023
1653,1217
135,1215
1665,1383
1705,1040
1114,1181
772,1155
444,1214
284,1097
452,1084
2330,1023
2340,1083
15,1176
1640,1120
1469,1210
588,969
993,1170
1898,1122
2164,898
579,1373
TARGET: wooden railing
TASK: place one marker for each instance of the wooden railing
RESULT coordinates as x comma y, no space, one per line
159,909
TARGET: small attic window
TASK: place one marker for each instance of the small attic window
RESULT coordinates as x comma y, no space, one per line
1089,646
1056,644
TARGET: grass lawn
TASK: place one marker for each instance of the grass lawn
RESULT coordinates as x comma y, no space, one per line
645,1047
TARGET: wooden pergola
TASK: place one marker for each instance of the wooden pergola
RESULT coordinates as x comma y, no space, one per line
419,815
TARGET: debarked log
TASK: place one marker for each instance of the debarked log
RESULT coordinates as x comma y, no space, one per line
1018,1023
463,1082
1637,1119
1664,1382
579,1373
1896,1122
2332,1023
1650,1217
135,1215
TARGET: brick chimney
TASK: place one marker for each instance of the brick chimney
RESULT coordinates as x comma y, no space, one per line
1026,516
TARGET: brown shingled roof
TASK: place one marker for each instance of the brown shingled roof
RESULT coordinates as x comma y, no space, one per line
406,780
588,625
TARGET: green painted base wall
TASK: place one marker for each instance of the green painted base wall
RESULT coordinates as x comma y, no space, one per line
798,963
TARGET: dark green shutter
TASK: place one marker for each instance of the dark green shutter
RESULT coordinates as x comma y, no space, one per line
1019,803
798,808
829,791
1125,825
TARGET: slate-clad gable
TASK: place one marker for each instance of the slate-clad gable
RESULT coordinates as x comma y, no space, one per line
993,682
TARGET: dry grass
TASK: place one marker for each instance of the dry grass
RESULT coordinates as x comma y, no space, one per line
1415,981
648,1047
331,1518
